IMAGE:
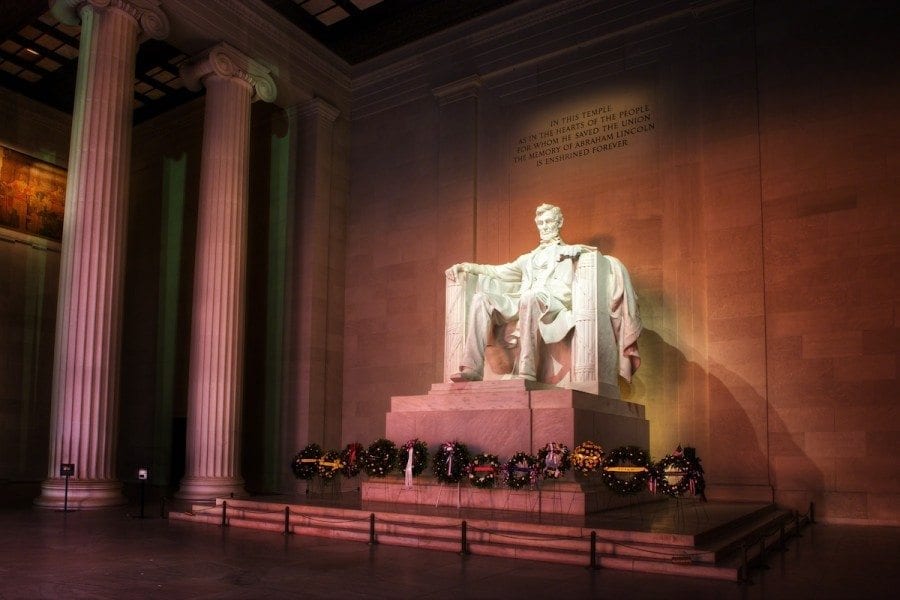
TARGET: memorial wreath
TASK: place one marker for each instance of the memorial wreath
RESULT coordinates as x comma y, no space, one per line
483,470
626,470
380,458
329,465
414,454
553,460
587,457
521,470
306,462
450,462
352,458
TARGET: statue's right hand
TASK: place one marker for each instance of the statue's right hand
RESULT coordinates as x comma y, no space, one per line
456,269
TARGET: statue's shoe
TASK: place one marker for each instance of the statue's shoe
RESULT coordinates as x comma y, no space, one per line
465,375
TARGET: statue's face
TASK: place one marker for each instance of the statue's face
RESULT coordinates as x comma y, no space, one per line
547,225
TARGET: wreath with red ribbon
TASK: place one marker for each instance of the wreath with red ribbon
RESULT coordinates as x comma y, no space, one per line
483,470
352,459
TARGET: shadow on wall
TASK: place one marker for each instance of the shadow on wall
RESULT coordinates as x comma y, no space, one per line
743,444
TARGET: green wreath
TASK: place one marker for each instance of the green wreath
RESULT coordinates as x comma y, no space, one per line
587,457
553,460
380,458
626,470
352,459
450,461
305,464
520,471
419,456
329,465
482,470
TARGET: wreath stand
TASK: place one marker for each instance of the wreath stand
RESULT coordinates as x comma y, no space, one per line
555,500
680,516
440,493
529,501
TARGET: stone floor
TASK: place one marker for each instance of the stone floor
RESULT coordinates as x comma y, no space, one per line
111,554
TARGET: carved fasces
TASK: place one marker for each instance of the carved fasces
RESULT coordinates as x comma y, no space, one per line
458,294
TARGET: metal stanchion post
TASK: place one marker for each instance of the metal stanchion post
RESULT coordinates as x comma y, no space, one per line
66,470
224,513
372,539
464,549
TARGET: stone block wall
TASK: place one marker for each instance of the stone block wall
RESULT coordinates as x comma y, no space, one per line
753,202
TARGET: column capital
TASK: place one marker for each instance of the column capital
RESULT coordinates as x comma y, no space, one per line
152,21
461,89
225,61
316,107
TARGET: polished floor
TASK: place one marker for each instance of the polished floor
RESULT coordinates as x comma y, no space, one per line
112,554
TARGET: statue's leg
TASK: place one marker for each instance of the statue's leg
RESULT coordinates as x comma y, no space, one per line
533,306
481,320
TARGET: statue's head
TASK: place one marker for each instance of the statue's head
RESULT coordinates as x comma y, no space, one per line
549,220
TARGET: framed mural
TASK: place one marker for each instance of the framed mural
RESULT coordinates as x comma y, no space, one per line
32,195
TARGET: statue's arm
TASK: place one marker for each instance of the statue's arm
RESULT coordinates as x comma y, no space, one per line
509,272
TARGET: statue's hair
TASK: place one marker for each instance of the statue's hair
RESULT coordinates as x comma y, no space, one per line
555,210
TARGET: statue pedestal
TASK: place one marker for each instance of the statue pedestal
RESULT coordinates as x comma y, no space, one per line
505,417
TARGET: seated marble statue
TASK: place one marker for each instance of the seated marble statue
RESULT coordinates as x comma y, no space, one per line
527,304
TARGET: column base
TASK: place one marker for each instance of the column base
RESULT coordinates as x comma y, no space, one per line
210,488
83,494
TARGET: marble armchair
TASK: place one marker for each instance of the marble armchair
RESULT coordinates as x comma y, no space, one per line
600,347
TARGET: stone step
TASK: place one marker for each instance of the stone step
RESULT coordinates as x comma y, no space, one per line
716,557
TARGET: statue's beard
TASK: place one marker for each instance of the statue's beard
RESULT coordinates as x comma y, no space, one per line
552,236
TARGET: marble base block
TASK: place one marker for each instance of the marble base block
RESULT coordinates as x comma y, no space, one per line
502,418
562,497
505,417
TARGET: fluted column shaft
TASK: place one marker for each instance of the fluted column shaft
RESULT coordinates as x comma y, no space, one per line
84,409
212,466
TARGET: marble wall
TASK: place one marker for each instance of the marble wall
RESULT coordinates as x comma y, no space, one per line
29,275
727,153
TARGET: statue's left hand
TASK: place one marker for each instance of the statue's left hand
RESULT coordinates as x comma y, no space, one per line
573,250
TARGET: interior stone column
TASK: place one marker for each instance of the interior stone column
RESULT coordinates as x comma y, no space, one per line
84,405
314,407
232,81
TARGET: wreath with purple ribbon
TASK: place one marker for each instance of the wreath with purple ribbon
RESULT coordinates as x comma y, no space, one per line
520,471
